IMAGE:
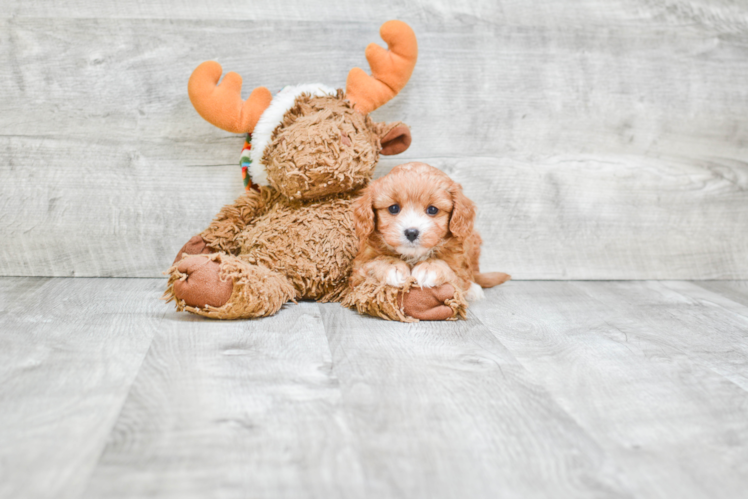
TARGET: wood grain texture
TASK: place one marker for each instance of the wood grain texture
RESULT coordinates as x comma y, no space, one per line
711,330
724,14
607,139
549,389
233,409
655,376
642,217
444,410
69,350
109,213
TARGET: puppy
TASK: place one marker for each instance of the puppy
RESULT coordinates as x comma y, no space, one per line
416,222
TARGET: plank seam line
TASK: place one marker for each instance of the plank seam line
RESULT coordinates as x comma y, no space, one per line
115,420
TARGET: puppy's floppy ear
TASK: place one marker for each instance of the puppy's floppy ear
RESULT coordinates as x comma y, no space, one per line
463,213
394,137
363,214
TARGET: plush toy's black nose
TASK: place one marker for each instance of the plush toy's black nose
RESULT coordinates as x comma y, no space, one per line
411,234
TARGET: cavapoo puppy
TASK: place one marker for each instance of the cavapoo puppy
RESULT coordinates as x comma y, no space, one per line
416,222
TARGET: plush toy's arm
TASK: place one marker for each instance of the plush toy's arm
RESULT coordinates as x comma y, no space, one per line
233,218
373,292
374,297
406,303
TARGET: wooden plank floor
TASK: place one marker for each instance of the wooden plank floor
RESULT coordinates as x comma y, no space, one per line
550,388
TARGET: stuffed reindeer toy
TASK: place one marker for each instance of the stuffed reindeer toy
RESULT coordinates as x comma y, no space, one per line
310,149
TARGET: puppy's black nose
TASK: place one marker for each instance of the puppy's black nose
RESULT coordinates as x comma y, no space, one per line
411,234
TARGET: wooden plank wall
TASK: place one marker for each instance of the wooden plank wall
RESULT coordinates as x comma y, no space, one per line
600,139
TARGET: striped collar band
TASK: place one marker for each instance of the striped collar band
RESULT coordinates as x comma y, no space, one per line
245,162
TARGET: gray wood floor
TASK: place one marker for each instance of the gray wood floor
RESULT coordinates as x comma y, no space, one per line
549,389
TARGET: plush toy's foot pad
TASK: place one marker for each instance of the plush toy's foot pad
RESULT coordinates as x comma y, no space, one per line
222,286
428,303
203,285
195,246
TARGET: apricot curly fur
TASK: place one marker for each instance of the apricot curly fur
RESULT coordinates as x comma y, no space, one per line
448,246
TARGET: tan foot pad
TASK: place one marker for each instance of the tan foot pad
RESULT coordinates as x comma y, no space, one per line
428,304
203,284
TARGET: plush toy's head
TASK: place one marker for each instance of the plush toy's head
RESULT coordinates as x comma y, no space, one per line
312,140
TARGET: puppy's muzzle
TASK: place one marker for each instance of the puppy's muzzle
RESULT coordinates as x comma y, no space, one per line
411,234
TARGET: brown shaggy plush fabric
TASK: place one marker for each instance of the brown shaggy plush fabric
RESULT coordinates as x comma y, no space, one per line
322,147
375,298
233,218
311,243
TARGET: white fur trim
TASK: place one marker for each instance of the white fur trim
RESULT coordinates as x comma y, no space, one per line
271,118
475,293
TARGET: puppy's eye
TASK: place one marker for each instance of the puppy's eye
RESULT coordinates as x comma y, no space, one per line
432,210
394,209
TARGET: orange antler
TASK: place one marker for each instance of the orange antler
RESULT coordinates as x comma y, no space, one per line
222,104
390,69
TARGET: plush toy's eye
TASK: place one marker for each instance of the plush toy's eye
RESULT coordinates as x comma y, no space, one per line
432,210
394,209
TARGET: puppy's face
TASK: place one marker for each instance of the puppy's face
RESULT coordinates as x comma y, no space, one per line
414,208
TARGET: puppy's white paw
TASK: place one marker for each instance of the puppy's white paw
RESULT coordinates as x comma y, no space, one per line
474,293
395,276
425,277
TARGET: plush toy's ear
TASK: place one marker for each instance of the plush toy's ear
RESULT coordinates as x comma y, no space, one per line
394,137
363,214
463,213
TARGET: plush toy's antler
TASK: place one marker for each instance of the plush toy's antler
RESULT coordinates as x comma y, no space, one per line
390,69
222,104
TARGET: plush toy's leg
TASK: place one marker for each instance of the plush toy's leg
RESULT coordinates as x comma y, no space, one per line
220,236
407,303
223,286
234,217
